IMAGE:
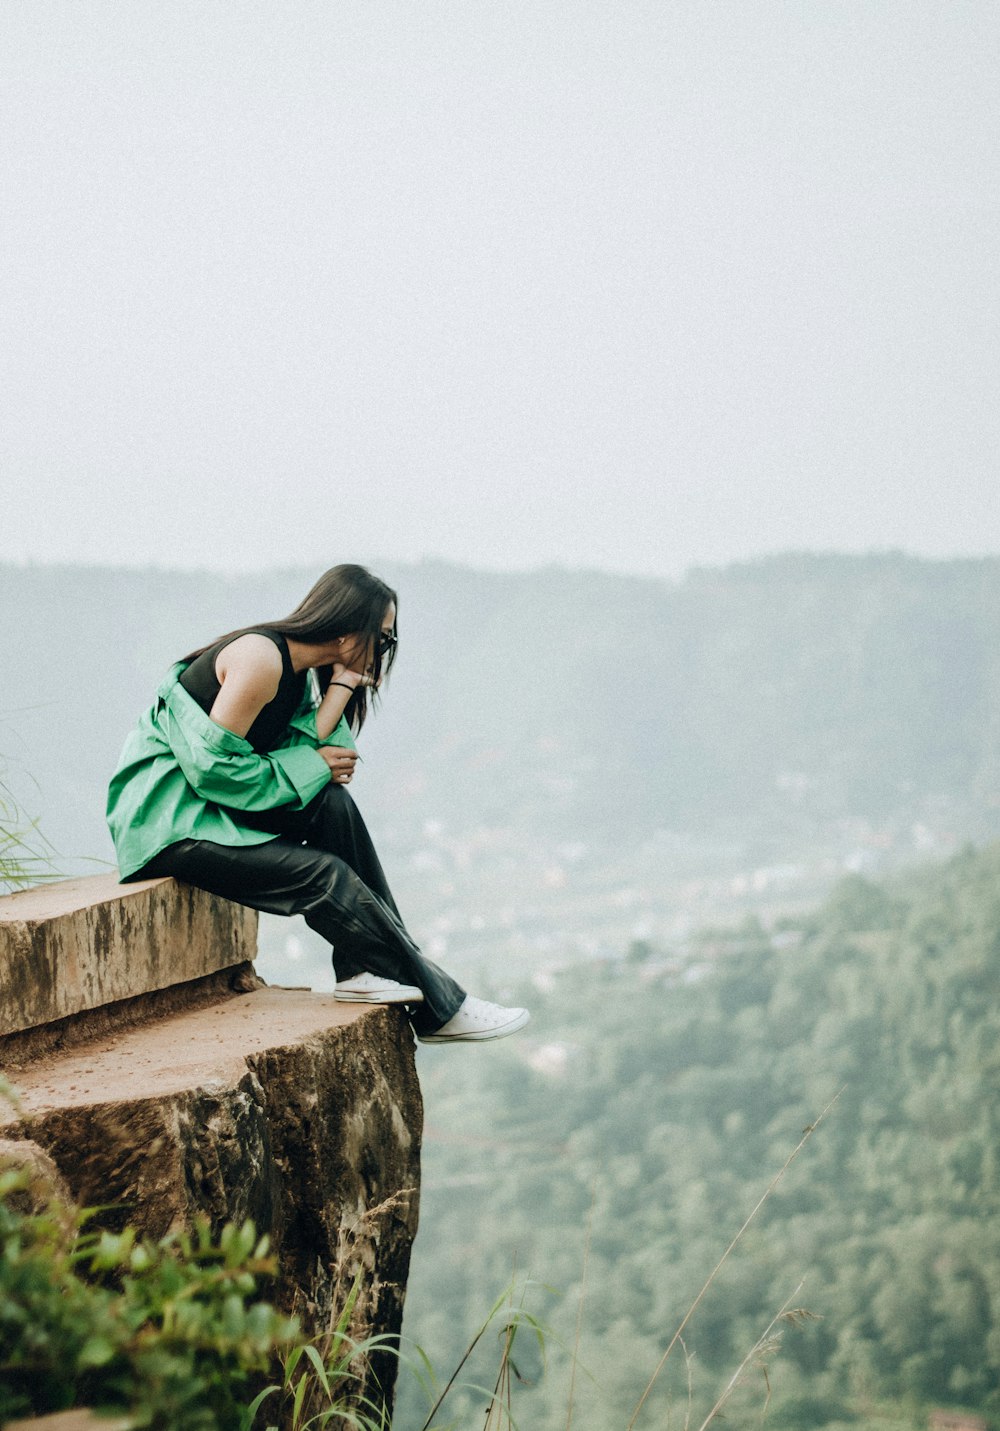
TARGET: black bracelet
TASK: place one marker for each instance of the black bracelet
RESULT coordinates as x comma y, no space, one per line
344,686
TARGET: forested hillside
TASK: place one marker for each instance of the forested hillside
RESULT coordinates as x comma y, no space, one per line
763,702
671,1096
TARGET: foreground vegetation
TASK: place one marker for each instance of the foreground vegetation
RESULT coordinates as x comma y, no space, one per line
653,1103
171,1331
177,1335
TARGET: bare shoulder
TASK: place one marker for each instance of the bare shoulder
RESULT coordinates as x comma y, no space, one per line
252,660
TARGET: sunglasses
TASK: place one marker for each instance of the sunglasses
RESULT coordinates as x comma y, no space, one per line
386,642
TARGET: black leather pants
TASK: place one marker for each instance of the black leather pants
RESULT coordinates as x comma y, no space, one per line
323,866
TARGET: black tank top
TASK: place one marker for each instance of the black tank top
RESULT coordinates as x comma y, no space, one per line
199,680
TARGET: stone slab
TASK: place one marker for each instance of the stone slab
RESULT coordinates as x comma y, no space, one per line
81,944
191,1048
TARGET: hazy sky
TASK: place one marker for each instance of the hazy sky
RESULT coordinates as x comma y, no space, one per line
632,284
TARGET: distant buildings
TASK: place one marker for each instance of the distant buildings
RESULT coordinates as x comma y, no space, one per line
955,1421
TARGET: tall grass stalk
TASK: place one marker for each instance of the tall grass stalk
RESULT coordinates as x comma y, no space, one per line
807,1133
499,1413
500,1400
27,857
579,1309
689,1371
517,1318
23,861
321,1380
765,1345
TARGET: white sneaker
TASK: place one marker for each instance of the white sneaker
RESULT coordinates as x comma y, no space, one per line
373,989
478,1019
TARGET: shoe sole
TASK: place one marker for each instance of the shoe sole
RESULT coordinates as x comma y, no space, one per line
477,1037
396,996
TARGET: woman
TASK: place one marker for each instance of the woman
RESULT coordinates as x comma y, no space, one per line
235,781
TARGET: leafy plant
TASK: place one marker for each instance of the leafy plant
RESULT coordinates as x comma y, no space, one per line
171,1330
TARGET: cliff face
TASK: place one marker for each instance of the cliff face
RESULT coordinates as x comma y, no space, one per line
277,1104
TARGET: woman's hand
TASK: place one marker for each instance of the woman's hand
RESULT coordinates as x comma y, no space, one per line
343,682
354,678
341,762
343,673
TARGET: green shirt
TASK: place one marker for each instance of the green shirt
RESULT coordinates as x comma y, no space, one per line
182,776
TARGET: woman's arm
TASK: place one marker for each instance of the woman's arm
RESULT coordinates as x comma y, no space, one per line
249,670
212,749
342,686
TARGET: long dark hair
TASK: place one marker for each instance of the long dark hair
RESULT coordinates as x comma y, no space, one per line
346,601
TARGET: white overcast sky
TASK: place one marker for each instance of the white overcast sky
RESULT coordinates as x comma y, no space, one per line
630,284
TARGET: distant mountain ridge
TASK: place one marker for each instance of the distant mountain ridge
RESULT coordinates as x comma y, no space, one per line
797,688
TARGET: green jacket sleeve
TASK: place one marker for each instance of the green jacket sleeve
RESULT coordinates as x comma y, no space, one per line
225,768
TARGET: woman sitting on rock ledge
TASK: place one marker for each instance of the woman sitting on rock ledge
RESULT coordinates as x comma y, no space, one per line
234,781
